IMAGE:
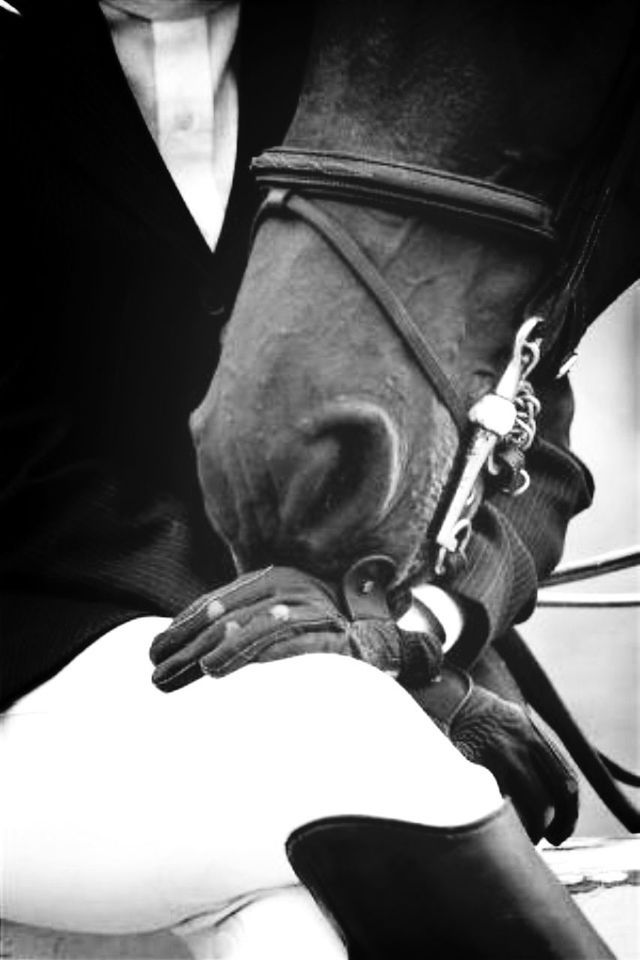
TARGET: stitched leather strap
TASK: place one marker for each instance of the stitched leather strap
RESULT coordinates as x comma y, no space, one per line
400,185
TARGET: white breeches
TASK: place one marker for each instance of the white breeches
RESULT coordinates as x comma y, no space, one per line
127,809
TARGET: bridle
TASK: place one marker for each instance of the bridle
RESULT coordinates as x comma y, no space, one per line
503,420
294,176
406,188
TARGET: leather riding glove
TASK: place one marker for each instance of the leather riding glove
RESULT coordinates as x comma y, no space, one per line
281,612
502,736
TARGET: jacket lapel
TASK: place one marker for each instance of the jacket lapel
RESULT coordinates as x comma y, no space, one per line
97,113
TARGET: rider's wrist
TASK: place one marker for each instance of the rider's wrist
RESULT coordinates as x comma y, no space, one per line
431,601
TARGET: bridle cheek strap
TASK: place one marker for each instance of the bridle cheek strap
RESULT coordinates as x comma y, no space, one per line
280,203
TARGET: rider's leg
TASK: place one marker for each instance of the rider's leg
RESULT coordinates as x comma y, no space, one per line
128,809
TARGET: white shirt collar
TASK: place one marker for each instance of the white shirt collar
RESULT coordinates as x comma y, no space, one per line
165,9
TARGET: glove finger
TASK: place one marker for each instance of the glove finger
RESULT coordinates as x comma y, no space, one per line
234,630
282,584
244,592
499,734
541,784
564,812
170,680
184,662
278,583
521,783
531,801
555,770
190,622
504,749
187,643
530,788
263,640
278,631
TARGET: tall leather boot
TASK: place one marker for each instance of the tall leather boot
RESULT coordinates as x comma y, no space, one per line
403,891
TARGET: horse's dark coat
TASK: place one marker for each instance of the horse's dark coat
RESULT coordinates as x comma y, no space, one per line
319,439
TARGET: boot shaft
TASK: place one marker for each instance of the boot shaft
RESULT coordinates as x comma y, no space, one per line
403,891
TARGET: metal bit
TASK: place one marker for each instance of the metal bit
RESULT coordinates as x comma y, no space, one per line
493,417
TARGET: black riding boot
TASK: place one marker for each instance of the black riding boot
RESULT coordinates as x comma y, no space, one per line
403,891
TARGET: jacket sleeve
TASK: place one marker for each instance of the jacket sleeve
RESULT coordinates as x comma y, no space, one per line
517,541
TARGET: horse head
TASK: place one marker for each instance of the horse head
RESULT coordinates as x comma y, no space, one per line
325,435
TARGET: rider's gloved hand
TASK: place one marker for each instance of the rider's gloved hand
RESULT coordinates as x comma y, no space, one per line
502,736
281,612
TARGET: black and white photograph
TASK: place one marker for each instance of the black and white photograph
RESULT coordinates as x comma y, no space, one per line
319,486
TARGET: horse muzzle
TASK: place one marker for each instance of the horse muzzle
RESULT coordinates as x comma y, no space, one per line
310,491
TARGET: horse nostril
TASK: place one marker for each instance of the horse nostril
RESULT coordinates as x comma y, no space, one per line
333,469
342,477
